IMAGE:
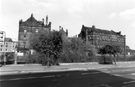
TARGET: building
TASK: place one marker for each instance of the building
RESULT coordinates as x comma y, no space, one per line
99,37
27,28
2,37
63,32
9,47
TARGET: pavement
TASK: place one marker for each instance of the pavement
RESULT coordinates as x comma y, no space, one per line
34,68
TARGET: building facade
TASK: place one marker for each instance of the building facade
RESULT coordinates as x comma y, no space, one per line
2,37
9,45
99,37
27,28
8,49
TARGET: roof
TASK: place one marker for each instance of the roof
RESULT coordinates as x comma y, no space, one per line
8,40
32,22
101,30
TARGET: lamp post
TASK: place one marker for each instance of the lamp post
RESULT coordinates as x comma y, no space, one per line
15,56
125,47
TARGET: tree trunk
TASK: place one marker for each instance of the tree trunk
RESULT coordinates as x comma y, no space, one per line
114,59
104,58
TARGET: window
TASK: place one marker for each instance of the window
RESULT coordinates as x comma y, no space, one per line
24,36
6,44
36,30
24,43
6,49
25,30
0,49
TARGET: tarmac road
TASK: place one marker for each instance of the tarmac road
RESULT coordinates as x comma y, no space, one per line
104,77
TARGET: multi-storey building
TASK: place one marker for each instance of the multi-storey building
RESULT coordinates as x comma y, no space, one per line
27,28
2,37
9,45
99,37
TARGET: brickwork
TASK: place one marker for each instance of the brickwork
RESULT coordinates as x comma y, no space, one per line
99,37
27,28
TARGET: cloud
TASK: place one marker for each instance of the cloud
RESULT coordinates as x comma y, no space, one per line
112,15
128,14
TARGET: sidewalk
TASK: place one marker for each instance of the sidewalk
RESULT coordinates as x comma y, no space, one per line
34,68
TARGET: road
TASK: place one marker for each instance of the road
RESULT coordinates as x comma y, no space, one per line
107,77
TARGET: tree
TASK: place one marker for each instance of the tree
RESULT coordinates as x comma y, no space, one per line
47,43
57,43
111,50
74,50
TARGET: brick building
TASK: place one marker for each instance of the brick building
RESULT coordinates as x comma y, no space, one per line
27,28
99,37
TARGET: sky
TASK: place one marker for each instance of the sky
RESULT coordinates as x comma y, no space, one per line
117,15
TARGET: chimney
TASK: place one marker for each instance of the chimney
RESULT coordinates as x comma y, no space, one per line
47,20
59,27
43,20
66,32
31,14
93,26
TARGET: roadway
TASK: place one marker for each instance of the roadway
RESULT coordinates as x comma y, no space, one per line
106,77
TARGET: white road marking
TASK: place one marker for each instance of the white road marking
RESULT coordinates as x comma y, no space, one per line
27,78
117,75
129,82
90,73
132,73
104,85
47,76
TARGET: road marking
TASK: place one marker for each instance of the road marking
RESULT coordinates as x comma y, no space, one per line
47,76
104,85
129,82
117,75
27,78
132,73
90,73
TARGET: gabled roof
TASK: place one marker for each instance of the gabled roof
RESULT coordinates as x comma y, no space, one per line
32,22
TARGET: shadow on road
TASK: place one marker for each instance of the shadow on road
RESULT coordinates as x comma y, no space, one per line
89,78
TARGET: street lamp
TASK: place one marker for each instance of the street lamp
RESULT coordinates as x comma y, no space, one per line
15,56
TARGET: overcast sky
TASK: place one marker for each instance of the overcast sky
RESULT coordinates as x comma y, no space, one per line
117,15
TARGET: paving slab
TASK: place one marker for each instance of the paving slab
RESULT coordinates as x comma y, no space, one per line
33,68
